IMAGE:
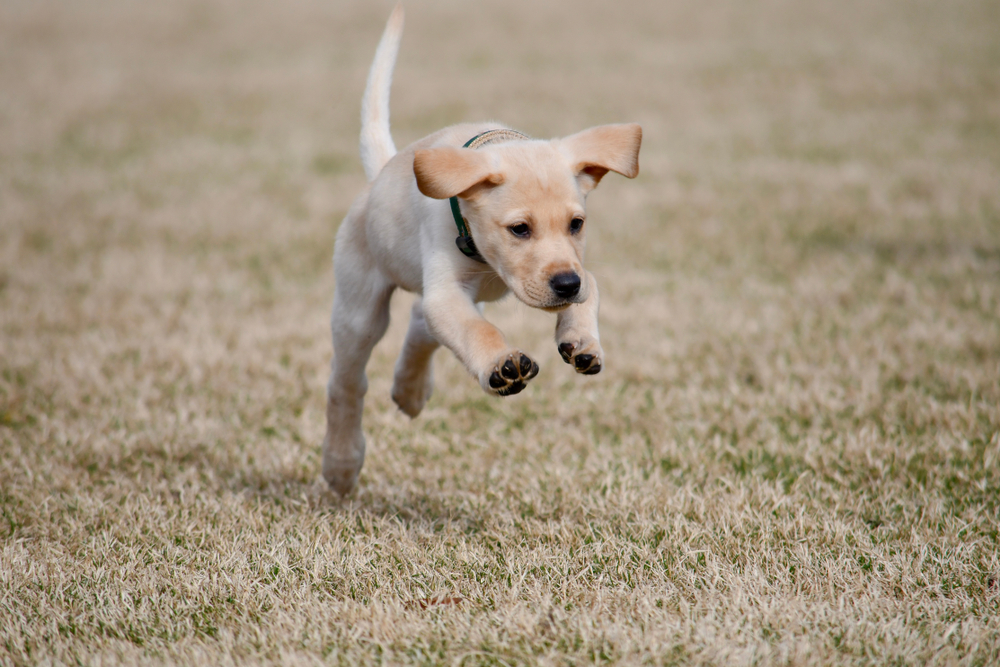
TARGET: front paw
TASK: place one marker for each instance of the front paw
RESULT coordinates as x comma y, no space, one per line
584,356
510,374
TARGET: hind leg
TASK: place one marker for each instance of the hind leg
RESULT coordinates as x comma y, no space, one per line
413,381
359,320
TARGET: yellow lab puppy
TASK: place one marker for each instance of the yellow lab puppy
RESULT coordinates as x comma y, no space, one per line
461,217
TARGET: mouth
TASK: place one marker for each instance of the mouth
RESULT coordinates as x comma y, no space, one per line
549,305
556,308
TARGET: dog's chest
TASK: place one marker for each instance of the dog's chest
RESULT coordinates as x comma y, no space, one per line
488,286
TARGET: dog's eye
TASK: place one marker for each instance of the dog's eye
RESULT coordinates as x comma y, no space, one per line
520,230
575,225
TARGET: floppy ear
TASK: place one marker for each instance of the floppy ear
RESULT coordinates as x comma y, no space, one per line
448,172
595,152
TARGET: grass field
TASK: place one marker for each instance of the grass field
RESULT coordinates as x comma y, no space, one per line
792,455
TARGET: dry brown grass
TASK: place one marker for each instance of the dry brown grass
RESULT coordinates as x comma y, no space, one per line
790,458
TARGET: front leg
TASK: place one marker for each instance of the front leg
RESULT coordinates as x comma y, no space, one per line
577,336
455,321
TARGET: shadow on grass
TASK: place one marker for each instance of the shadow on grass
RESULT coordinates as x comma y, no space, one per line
304,488
179,471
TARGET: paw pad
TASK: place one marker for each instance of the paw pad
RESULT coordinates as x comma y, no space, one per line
587,364
511,377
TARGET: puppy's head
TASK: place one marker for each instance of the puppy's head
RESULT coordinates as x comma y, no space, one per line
525,203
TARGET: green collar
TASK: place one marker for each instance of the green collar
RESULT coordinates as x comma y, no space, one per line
464,240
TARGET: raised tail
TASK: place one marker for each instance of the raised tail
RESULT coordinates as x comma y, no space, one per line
376,140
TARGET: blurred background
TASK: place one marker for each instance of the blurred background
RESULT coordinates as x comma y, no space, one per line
172,177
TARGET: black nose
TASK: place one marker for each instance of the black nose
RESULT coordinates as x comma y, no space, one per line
565,285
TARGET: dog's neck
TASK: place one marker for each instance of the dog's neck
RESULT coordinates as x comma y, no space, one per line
464,240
